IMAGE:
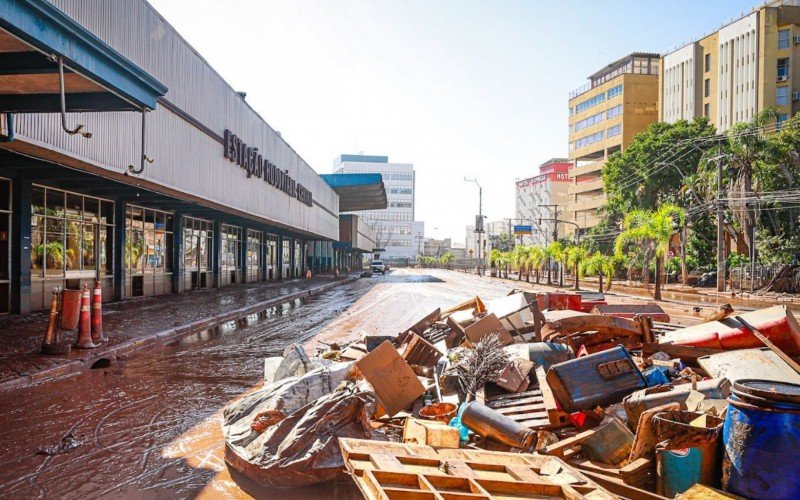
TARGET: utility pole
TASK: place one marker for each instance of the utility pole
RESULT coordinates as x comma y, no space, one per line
720,229
478,222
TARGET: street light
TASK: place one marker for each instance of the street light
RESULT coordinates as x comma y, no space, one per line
479,221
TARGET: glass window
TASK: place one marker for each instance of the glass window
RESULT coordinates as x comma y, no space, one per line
784,39
781,119
592,101
783,68
615,130
615,111
706,109
782,95
614,91
707,63
707,87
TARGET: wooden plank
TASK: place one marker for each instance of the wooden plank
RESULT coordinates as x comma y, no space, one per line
385,461
562,446
617,487
789,361
557,417
687,354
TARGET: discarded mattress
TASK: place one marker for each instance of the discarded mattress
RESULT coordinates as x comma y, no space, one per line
776,323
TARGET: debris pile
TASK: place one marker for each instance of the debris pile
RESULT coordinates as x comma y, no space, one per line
535,395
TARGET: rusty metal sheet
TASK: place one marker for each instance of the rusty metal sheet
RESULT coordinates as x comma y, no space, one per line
762,364
649,310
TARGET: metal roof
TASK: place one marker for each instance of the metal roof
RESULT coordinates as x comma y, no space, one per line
358,191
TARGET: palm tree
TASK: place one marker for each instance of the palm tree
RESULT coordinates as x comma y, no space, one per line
554,251
599,265
518,258
651,233
575,255
535,259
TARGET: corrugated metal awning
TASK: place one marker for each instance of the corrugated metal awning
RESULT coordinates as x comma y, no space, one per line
358,191
34,35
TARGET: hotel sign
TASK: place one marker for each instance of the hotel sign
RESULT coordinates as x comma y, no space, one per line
256,165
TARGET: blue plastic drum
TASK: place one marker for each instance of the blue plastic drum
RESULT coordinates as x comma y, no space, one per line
762,440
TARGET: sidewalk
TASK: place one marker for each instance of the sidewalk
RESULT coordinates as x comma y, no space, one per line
137,324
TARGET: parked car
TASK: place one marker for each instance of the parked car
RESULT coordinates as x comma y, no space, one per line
377,266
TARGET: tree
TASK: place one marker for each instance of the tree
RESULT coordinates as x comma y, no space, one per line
447,258
651,233
555,251
536,257
599,265
575,255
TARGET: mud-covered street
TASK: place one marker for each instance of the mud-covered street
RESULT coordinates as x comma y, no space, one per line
149,426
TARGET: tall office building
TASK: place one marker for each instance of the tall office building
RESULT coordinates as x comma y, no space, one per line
540,197
396,230
732,74
618,102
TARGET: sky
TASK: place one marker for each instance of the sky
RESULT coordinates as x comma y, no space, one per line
460,88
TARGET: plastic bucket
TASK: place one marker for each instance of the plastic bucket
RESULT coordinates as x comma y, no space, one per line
70,309
762,440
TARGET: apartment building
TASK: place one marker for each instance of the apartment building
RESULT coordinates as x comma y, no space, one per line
605,114
732,74
541,196
396,230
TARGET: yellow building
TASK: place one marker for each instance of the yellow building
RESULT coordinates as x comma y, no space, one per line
732,74
618,102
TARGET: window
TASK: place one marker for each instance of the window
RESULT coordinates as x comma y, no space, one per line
588,103
615,130
783,68
71,234
400,191
615,111
782,118
784,37
149,241
706,110
589,139
707,63
231,249
399,176
570,111
587,122
614,91
400,204
707,87
782,96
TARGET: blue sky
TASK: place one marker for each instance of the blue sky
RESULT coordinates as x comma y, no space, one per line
458,88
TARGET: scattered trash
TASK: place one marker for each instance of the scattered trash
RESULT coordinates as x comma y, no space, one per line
457,404
67,444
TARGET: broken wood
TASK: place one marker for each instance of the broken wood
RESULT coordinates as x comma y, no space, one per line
789,361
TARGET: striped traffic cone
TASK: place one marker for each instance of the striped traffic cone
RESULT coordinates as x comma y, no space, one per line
84,340
97,315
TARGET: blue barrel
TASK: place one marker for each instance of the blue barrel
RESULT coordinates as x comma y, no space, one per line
762,440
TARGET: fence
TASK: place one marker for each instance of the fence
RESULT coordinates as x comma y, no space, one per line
740,277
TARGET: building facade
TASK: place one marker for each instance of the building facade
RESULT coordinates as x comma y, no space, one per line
540,197
396,230
739,70
155,177
618,102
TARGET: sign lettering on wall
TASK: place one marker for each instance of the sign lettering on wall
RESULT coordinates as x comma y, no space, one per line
256,165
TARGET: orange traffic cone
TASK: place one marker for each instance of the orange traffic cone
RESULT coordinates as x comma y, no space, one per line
97,315
84,340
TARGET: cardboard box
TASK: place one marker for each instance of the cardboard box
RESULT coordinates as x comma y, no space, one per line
487,325
395,383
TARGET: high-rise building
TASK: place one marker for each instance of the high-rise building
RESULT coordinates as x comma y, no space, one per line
735,72
539,197
396,230
616,103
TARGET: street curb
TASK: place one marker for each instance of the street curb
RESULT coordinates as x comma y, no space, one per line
128,348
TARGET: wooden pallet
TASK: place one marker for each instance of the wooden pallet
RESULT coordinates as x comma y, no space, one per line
536,408
385,471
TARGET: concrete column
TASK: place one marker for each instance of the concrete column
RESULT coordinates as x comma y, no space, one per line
21,246
177,252
279,259
243,254
120,241
216,261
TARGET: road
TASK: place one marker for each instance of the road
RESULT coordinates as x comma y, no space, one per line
149,426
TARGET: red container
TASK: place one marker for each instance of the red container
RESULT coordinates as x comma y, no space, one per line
70,309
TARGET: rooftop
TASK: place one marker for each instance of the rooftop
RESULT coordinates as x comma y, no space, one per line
361,158
642,63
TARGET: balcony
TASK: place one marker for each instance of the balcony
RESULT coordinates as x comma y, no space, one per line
585,186
595,166
588,203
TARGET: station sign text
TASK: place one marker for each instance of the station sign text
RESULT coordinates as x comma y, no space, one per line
256,165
